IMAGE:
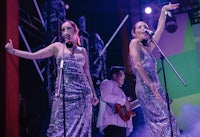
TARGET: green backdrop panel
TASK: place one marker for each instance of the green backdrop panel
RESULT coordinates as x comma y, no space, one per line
186,65
189,42
178,103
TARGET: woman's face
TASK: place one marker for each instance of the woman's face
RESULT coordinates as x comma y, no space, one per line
139,31
68,32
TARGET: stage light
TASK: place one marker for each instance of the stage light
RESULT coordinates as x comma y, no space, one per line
66,6
148,10
171,24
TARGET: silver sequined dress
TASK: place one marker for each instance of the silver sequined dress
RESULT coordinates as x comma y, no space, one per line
155,111
78,107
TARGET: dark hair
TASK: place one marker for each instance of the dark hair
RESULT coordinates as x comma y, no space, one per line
134,27
114,70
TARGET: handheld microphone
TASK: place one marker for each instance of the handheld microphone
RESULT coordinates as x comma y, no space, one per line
149,32
69,44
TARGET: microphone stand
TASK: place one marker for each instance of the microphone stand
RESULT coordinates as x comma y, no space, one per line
61,77
163,57
166,93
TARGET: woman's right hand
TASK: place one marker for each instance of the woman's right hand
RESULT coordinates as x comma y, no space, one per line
155,91
95,101
9,46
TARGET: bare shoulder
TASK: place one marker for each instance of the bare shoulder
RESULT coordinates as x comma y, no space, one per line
57,45
81,50
134,44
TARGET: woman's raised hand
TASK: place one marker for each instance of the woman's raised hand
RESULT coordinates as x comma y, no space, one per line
9,46
168,7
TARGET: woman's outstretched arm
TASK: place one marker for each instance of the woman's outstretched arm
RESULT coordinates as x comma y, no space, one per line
41,54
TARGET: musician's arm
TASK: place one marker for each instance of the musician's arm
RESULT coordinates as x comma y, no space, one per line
106,88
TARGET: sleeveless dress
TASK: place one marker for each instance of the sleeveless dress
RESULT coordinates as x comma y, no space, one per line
155,111
78,101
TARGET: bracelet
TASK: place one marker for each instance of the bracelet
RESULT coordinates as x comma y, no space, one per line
11,51
166,12
163,9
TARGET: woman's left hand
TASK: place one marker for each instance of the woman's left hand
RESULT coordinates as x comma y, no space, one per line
95,101
170,6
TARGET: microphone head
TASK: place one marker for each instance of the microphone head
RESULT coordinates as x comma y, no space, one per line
151,33
69,44
144,42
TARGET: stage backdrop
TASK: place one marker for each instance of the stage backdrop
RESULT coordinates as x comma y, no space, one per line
182,49
12,72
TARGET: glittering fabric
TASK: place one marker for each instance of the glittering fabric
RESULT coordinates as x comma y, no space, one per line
78,107
155,111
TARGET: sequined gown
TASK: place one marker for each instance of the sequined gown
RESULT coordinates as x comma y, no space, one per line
78,107
155,111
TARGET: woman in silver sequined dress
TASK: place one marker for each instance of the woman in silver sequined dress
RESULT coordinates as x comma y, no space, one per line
78,86
148,88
